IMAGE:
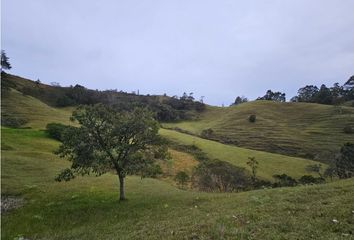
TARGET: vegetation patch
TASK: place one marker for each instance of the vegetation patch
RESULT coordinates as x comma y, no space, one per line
8,120
10,202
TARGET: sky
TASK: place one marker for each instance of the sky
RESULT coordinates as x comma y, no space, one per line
219,49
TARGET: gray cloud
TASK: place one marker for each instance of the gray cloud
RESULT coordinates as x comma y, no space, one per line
219,49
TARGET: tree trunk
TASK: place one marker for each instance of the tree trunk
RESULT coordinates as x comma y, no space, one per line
121,188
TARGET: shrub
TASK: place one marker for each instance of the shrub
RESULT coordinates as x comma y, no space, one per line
284,180
13,122
345,161
207,133
348,130
182,178
56,130
309,179
151,171
216,175
252,118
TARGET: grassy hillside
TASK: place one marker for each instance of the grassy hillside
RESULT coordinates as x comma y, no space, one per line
269,163
88,207
298,129
39,114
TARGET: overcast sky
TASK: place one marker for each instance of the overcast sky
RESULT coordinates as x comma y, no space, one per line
218,49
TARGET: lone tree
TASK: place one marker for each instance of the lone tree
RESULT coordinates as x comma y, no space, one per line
5,64
127,142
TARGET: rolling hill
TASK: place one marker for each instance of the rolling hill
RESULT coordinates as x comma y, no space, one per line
39,114
88,208
298,129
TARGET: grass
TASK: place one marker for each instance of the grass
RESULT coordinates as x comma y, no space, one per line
36,112
88,207
296,129
269,163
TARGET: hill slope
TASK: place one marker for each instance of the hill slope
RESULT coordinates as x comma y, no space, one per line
36,113
39,114
269,163
298,129
88,207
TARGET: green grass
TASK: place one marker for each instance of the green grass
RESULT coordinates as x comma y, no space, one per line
36,112
297,129
88,207
269,163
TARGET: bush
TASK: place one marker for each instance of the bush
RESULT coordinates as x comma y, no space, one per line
207,133
348,130
309,179
216,175
151,171
284,180
345,161
13,122
182,178
56,130
252,118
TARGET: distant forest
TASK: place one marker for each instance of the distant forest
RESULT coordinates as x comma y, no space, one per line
312,94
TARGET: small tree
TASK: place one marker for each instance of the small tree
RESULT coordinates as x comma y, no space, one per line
240,100
5,64
254,165
182,178
252,118
107,139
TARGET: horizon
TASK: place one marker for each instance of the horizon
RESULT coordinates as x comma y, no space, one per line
137,92
226,50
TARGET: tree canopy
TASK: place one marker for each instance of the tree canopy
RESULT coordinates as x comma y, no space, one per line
127,142
326,95
273,96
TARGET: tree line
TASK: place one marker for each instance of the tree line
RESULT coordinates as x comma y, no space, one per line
335,95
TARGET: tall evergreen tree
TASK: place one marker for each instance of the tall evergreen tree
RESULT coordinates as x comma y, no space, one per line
5,64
